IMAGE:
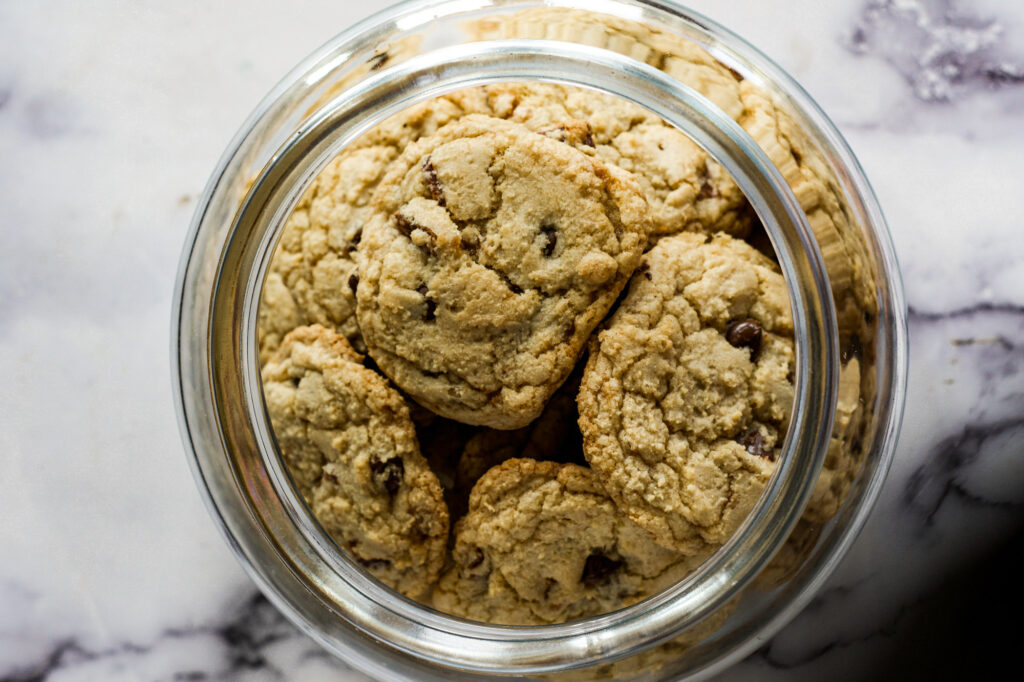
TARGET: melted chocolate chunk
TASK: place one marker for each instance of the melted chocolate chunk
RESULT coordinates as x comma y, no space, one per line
597,569
388,474
433,184
406,226
550,239
745,334
753,442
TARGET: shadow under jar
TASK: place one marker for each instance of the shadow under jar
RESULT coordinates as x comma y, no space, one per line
817,216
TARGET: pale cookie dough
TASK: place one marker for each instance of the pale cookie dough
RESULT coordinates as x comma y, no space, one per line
542,543
313,275
491,255
346,437
688,390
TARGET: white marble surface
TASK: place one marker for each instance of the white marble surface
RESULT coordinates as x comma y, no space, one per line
113,114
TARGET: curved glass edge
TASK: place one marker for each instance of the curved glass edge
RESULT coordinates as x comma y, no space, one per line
896,317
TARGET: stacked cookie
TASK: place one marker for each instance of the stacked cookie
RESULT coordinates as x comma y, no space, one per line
517,358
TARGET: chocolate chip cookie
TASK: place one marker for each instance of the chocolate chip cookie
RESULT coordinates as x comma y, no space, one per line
543,543
491,254
684,187
687,391
313,275
347,440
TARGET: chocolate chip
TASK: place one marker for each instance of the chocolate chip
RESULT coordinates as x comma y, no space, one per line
429,313
378,60
388,474
597,568
851,349
648,276
550,237
745,334
588,139
753,442
353,282
433,184
406,226
570,330
374,564
357,237
707,190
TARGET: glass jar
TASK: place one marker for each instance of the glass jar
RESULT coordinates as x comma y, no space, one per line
806,188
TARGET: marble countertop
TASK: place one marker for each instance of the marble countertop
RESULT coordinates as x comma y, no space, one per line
112,116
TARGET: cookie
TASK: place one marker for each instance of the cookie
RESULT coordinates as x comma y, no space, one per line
542,543
313,275
815,187
347,440
687,392
491,254
685,188
554,436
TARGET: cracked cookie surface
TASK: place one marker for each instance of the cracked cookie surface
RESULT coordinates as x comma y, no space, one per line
687,391
347,439
542,543
685,188
491,255
313,274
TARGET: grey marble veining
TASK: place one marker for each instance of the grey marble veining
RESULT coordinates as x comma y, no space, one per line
112,115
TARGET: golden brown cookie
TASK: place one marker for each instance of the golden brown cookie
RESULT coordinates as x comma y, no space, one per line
684,187
542,543
313,275
346,437
688,389
491,254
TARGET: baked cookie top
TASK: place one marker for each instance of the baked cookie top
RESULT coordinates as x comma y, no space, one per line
685,188
491,254
313,275
346,437
542,543
688,390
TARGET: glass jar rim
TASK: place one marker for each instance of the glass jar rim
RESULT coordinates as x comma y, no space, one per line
600,637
